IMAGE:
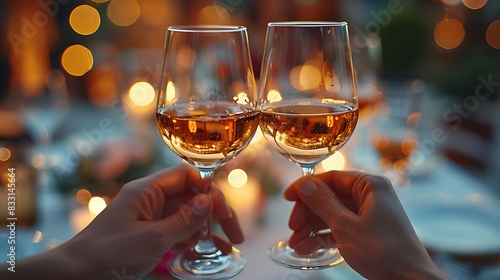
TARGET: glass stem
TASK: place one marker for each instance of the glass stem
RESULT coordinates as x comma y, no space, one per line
205,244
307,170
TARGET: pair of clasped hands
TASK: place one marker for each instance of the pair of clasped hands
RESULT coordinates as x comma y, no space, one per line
152,215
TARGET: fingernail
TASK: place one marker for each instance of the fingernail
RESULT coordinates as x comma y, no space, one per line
306,187
200,206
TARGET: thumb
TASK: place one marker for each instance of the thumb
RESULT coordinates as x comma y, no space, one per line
323,202
188,219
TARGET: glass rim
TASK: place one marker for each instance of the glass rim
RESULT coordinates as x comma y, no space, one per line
306,24
207,28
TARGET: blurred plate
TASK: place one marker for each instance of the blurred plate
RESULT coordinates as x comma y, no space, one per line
464,229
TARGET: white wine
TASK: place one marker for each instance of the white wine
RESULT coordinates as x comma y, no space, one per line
307,134
207,134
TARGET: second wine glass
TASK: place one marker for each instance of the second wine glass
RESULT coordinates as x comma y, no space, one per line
207,114
309,107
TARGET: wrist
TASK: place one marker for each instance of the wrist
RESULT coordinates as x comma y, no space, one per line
421,271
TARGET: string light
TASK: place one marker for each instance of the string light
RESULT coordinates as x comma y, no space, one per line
474,4
493,34
84,20
237,178
449,33
77,60
96,205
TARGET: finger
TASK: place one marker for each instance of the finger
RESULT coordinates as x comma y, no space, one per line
315,242
221,208
322,201
222,244
172,180
298,216
314,226
187,220
232,229
341,182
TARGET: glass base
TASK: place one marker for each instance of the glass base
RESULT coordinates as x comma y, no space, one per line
192,265
282,254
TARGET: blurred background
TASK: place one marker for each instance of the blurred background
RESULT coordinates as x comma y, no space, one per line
77,90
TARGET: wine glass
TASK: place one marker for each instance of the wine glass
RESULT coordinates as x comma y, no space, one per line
309,107
207,114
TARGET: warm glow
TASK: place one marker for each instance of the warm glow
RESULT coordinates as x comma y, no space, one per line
214,14
96,205
170,92
237,178
408,145
474,4
334,162
123,12
83,196
37,237
306,77
242,98
100,1
257,136
142,93
493,34
77,60
85,20
449,33
156,12
274,96
102,91
4,154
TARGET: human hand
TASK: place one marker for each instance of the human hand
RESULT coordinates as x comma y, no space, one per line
147,218
367,222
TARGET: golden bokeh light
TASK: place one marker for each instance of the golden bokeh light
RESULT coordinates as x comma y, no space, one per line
274,96
449,33
96,205
214,14
77,60
83,196
474,4
237,178
84,20
493,34
123,12
170,92
334,162
100,1
142,93
241,98
306,77
4,154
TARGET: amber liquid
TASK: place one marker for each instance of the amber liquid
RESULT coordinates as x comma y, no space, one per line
307,134
207,134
